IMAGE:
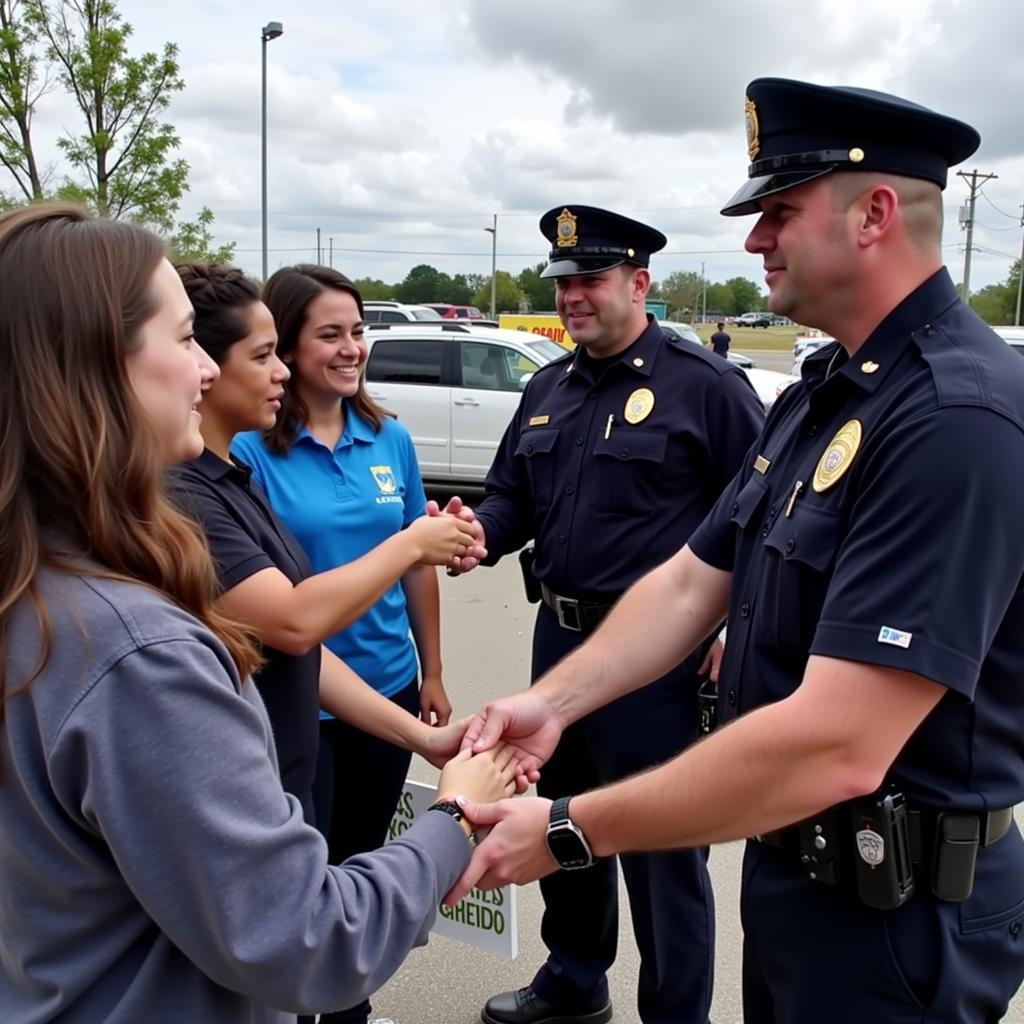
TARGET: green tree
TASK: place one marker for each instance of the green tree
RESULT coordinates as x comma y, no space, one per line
506,293
122,164
682,291
22,83
460,292
539,292
997,303
721,301
746,295
423,283
193,242
371,288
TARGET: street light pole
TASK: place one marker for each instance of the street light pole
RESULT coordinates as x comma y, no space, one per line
494,266
271,30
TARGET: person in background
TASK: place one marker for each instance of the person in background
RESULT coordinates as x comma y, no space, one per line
719,341
342,475
152,868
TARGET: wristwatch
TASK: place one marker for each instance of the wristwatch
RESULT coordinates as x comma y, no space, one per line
452,808
566,842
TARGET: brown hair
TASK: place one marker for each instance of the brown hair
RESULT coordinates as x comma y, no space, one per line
78,454
287,295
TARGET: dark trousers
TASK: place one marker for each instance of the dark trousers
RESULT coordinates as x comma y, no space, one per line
670,896
813,952
358,781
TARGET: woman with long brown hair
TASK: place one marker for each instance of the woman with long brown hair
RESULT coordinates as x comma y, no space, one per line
151,866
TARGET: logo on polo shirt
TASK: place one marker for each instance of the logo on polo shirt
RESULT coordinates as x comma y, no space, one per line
896,637
384,479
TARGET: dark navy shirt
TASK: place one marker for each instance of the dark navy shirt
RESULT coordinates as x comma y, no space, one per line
246,537
609,465
720,343
903,545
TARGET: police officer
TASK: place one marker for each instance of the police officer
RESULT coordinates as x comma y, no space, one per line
616,453
871,556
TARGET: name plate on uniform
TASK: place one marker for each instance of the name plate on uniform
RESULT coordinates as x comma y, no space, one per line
486,920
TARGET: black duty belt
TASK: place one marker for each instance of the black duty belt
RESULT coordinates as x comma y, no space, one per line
882,848
573,614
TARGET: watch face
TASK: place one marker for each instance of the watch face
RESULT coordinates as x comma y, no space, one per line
568,848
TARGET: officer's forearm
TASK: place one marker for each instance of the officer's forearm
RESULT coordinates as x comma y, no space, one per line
832,740
654,626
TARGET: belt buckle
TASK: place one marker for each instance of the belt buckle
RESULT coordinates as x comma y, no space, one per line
564,604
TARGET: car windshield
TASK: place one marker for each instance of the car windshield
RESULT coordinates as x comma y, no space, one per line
547,349
425,314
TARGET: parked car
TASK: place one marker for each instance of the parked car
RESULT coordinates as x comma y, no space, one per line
754,320
1014,336
769,385
385,312
805,344
448,311
455,386
687,333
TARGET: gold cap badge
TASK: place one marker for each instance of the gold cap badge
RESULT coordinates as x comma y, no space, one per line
566,230
838,456
856,155
639,405
753,128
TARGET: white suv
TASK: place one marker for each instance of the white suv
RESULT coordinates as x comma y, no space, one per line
383,312
454,386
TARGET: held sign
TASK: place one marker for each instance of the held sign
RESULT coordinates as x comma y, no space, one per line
486,920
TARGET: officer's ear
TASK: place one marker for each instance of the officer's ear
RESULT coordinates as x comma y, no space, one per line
876,213
641,283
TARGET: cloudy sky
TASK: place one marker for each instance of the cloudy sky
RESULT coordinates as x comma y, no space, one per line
400,127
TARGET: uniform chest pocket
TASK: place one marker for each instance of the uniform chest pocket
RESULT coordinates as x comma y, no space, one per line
538,449
628,467
748,501
799,556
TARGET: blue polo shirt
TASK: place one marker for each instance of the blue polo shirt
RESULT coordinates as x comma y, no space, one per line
339,505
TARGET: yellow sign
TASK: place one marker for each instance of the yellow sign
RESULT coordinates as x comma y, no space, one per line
548,326
639,405
838,456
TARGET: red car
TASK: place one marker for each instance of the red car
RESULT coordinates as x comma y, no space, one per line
449,312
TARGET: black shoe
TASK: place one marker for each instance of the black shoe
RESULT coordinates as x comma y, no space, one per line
524,1006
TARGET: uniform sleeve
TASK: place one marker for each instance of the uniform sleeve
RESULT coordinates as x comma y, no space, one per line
236,554
734,419
169,766
934,549
507,509
714,541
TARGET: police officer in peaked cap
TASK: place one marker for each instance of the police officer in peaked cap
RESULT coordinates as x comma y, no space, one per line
617,452
871,558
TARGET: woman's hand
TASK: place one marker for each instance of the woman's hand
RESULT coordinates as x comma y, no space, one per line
435,708
440,743
440,538
483,778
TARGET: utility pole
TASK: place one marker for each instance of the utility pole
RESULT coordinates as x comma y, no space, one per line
493,231
319,251
972,178
330,249
1020,269
703,294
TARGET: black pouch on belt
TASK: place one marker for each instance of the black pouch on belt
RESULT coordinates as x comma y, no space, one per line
957,838
883,863
530,582
707,705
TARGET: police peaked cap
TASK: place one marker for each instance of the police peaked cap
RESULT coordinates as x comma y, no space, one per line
797,132
586,240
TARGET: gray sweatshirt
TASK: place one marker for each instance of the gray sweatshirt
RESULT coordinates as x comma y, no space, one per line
151,867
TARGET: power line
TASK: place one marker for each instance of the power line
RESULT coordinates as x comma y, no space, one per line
1012,216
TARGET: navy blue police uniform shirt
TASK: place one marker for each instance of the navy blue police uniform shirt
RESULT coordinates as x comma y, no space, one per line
246,537
904,543
606,499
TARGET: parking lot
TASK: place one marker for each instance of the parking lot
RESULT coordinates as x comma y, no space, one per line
486,629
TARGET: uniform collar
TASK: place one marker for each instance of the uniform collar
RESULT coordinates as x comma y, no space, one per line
871,363
638,358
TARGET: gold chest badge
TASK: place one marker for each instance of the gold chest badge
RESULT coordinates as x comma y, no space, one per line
639,405
838,456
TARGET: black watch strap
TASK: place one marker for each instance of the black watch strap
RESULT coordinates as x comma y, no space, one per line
448,807
559,810
566,843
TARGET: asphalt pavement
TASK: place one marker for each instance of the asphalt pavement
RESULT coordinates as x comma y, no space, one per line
486,629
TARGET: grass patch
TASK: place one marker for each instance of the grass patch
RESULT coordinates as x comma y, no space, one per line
755,339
